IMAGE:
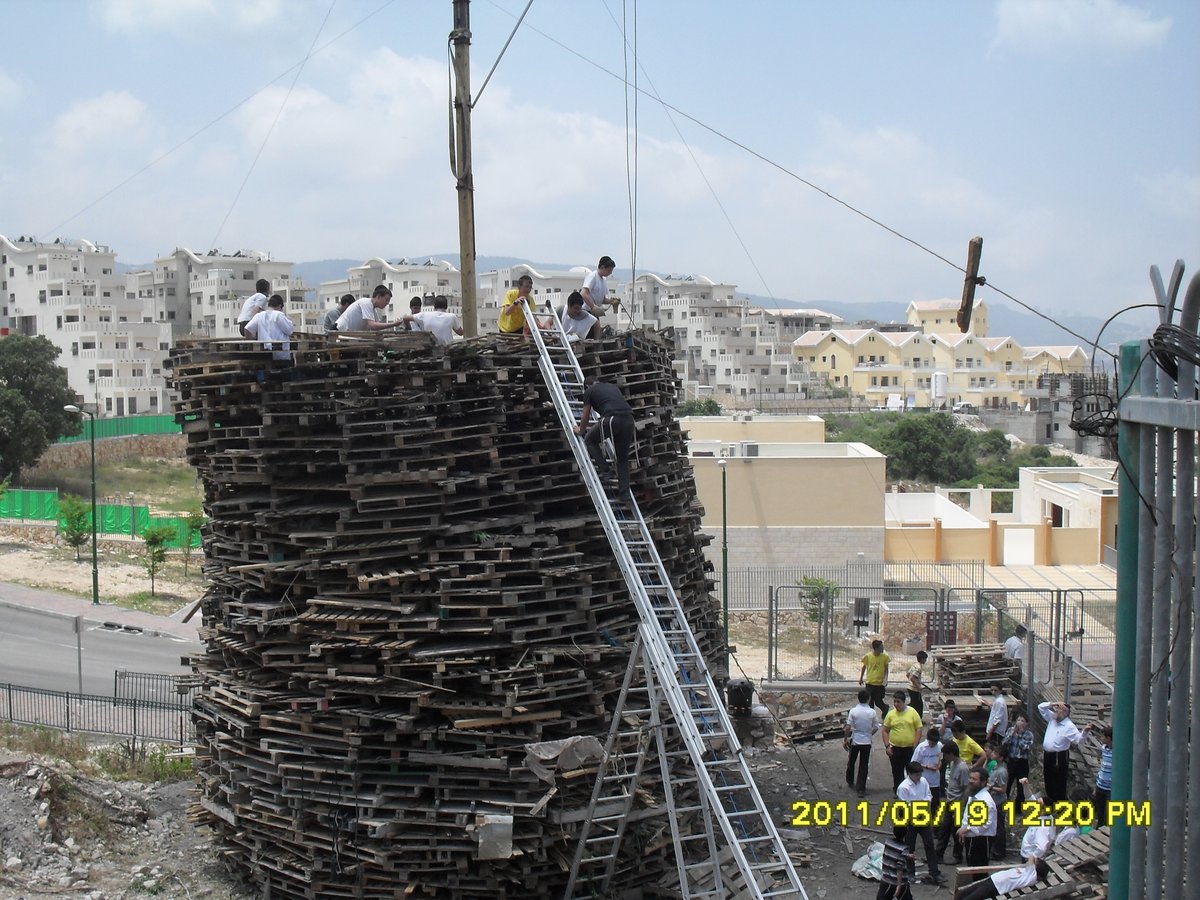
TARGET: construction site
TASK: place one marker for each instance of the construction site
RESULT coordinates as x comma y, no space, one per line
427,612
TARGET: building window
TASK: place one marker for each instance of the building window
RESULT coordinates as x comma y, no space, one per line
108,404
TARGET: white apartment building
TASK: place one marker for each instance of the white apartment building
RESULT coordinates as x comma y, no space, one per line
112,344
201,295
405,279
726,348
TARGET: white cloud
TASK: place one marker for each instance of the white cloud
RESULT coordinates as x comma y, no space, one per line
1047,25
113,119
178,15
10,91
1174,193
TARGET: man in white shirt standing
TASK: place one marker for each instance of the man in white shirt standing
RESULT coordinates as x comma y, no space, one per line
1038,841
270,326
363,315
861,725
595,287
439,321
1061,735
997,723
254,304
1014,647
977,838
915,790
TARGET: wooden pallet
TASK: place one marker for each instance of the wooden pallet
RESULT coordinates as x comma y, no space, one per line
409,585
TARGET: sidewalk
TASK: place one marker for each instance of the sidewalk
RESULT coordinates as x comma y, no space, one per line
16,596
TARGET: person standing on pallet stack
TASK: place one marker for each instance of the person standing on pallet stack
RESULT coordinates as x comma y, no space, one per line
595,286
616,422
363,315
439,321
254,304
512,312
335,313
270,326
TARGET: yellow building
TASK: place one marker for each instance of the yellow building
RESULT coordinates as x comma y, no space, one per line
941,316
902,369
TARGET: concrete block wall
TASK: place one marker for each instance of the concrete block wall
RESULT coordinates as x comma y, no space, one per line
798,546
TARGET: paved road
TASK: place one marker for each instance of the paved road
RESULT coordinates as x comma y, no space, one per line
38,644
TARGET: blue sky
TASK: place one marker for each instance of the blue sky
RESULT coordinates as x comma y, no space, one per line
1066,132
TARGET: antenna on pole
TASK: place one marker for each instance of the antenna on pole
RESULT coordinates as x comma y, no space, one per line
972,280
460,161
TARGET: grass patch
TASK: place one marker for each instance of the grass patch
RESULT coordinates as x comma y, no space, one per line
43,741
159,605
142,761
166,485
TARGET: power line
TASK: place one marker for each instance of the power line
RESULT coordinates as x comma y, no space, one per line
271,130
779,166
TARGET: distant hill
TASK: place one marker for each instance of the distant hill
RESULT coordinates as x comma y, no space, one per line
1004,319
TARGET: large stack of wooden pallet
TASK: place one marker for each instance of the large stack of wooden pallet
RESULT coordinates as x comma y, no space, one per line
409,588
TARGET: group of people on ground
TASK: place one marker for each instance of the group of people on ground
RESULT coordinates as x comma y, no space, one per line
943,764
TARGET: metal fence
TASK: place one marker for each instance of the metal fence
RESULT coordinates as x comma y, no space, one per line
153,687
1076,621
750,586
1156,714
92,714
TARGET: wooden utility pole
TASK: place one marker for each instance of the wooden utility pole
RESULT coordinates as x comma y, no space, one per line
460,162
970,282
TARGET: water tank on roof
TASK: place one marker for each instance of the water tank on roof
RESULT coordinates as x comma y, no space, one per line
938,385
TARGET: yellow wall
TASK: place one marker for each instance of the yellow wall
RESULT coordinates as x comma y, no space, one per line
1074,546
908,544
791,491
922,544
760,429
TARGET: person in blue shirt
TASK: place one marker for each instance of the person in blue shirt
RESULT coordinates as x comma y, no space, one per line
1104,777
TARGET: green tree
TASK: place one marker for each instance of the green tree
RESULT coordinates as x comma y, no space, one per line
33,392
929,448
706,407
156,538
818,596
75,521
193,523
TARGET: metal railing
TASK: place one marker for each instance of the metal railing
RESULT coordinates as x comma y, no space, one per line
92,714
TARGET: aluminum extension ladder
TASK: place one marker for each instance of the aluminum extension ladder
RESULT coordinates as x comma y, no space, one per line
737,826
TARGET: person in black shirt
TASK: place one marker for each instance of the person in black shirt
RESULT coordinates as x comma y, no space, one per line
616,421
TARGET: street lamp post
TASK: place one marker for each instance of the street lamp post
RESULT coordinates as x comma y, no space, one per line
95,560
725,556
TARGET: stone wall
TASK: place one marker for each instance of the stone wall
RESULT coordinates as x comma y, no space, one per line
78,454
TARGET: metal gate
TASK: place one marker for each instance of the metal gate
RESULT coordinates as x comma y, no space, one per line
1156,714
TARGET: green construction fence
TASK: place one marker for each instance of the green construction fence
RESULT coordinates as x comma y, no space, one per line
111,519
123,426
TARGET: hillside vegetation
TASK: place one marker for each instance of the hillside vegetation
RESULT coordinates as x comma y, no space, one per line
934,449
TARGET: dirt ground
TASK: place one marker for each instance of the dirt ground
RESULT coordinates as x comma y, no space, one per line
150,849
123,578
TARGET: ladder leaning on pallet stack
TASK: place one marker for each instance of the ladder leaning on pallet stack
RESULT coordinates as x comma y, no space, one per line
673,672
